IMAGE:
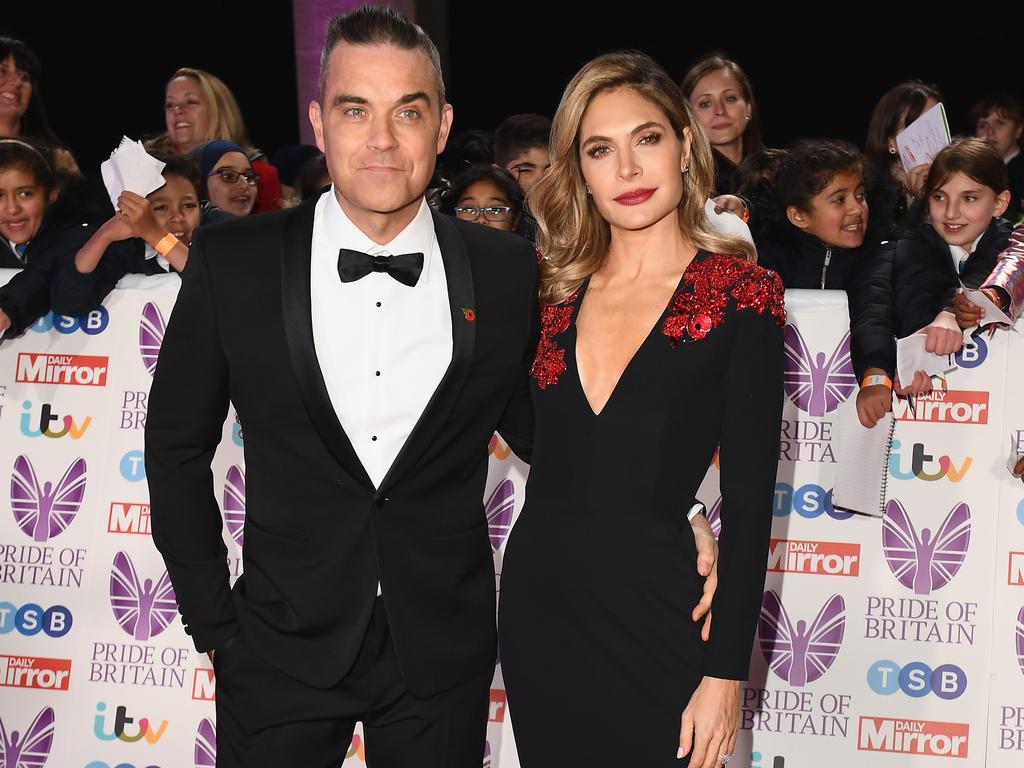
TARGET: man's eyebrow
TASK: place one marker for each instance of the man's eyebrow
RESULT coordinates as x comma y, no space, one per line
409,98
345,98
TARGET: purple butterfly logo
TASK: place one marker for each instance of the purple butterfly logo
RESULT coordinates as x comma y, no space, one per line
234,503
815,385
715,518
926,562
800,654
1020,639
143,609
32,749
499,512
206,744
487,754
43,511
151,335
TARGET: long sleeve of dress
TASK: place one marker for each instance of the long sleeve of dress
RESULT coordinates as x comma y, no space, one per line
749,452
1008,275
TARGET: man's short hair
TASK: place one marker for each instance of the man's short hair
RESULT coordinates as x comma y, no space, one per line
378,25
519,133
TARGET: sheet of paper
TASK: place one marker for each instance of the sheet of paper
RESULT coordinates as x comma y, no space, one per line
993,314
862,460
924,138
911,356
1016,452
131,168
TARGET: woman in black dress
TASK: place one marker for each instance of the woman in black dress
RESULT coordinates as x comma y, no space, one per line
655,348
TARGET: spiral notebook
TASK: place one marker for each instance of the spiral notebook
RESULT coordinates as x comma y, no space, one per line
862,463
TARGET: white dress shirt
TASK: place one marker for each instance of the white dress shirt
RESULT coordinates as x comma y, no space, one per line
960,254
383,347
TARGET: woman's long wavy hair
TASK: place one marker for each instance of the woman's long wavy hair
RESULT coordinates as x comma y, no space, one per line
572,235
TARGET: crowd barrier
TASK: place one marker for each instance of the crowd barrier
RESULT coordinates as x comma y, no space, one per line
886,642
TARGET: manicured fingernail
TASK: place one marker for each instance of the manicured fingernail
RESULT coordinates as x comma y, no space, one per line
679,753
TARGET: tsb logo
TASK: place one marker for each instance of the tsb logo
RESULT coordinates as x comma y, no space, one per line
31,619
91,323
917,679
808,500
133,466
973,353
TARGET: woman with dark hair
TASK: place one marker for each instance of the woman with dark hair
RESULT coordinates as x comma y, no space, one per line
900,106
226,178
486,195
723,100
22,113
652,327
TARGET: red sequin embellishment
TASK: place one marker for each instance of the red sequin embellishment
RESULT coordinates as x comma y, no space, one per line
549,362
699,305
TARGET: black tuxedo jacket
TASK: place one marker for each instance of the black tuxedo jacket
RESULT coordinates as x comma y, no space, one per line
318,536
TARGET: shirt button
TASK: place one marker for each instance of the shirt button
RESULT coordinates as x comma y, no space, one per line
376,373
378,303
374,438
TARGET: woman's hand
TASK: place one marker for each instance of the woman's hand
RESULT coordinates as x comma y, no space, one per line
944,334
710,722
707,566
5,323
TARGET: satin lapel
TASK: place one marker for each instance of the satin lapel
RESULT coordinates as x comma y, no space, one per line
461,297
298,328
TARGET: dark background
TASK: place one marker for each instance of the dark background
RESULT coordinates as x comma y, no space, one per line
817,69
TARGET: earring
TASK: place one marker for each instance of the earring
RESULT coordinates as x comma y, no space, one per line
892,150
748,117
686,168
588,190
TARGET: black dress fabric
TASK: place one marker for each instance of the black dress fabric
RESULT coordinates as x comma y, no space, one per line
599,577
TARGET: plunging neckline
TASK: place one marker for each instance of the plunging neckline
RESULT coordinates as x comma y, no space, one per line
636,352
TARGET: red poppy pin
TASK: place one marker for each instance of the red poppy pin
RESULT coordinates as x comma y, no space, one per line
469,313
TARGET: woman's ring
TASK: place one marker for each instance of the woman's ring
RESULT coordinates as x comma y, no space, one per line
725,759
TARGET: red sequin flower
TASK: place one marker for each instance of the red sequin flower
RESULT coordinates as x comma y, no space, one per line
549,363
699,305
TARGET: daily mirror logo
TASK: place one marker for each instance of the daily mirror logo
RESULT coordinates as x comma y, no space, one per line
815,383
928,561
913,737
77,370
824,558
796,652
35,672
944,407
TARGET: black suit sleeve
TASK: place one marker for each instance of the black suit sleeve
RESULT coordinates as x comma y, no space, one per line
516,426
188,403
873,314
749,453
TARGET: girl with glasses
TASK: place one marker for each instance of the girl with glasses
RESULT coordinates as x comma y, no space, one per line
486,195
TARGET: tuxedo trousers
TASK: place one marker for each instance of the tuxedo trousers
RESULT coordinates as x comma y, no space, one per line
267,718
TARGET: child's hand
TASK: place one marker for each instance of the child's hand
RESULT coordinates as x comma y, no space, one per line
921,385
917,177
968,314
115,228
733,204
5,321
135,210
873,403
944,334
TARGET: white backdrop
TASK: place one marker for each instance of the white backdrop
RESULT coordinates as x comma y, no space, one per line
911,649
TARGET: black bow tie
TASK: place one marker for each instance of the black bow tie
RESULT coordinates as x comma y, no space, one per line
355,265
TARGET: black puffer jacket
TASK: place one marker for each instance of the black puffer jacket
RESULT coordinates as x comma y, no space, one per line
924,278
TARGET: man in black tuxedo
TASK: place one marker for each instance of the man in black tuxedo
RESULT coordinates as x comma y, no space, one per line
370,347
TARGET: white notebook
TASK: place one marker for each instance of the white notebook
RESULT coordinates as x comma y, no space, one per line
862,463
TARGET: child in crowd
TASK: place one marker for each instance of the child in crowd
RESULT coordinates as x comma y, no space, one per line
486,195
964,195
148,235
999,120
521,148
38,229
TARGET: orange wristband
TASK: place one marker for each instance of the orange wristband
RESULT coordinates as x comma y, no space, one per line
166,245
878,378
